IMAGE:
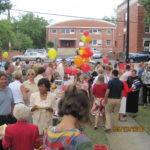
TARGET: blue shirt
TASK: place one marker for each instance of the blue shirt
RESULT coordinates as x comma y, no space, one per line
115,86
6,99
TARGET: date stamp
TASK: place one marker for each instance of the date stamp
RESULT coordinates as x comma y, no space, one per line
130,129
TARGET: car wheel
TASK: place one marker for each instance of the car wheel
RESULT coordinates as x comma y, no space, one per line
18,59
38,60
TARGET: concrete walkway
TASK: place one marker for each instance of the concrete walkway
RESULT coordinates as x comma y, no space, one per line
129,140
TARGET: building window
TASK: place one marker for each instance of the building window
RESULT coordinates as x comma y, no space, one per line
147,46
96,42
108,42
109,31
72,31
53,31
99,42
81,31
147,29
63,31
90,31
95,31
67,31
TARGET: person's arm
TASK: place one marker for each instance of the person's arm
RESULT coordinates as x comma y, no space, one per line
24,92
7,140
32,105
94,90
37,141
83,143
106,95
127,89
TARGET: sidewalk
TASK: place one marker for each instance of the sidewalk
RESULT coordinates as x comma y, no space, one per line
129,140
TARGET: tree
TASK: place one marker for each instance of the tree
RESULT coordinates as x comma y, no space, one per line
146,5
110,19
21,42
5,5
50,44
6,33
34,27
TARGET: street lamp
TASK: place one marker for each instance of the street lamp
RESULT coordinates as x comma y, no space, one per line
128,29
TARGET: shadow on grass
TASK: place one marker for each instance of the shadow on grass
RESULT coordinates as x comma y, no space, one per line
143,118
98,136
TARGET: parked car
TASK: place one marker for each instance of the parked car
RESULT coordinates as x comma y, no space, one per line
139,57
36,50
31,56
2,64
97,55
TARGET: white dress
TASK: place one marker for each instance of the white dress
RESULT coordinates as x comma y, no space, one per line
41,116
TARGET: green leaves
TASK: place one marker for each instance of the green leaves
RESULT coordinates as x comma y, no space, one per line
34,27
4,5
24,32
146,5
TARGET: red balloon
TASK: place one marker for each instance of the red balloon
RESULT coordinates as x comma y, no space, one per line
86,33
87,49
90,53
68,70
75,71
84,55
105,60
85,68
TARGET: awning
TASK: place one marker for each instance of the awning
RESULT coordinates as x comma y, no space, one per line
69,39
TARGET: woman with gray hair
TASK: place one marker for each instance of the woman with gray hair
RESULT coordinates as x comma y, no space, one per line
22,135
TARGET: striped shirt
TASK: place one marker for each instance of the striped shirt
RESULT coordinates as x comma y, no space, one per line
70,139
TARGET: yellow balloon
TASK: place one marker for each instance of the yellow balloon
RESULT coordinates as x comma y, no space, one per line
83,38
5,54
80,52
52,53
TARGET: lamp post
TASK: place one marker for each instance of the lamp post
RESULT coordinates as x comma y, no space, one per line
128,29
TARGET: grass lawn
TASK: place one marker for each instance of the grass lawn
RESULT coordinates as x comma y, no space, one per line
98,136
143,118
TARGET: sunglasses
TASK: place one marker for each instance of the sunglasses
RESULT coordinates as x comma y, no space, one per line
31,74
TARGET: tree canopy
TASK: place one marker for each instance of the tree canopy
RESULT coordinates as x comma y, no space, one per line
34,27
110,19
4,5
6,33
146,5
27,31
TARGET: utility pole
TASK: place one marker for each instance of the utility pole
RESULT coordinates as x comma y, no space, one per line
128,29
8,17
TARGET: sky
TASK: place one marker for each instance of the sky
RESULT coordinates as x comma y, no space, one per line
82,8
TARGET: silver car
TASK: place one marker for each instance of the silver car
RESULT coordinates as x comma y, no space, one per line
31,56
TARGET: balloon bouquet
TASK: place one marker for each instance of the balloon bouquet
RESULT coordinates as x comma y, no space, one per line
82,60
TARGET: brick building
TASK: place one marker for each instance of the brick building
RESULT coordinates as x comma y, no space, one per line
139,32
66,35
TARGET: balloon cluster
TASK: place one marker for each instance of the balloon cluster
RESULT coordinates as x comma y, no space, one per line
72,71
85,38
84,54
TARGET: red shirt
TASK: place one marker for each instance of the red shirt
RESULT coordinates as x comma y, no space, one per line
126,89
99,90
21,136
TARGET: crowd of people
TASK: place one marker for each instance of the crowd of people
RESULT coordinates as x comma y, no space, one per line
34,96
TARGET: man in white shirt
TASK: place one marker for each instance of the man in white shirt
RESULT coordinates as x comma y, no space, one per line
61,68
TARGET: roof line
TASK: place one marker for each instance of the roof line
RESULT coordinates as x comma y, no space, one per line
81,20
